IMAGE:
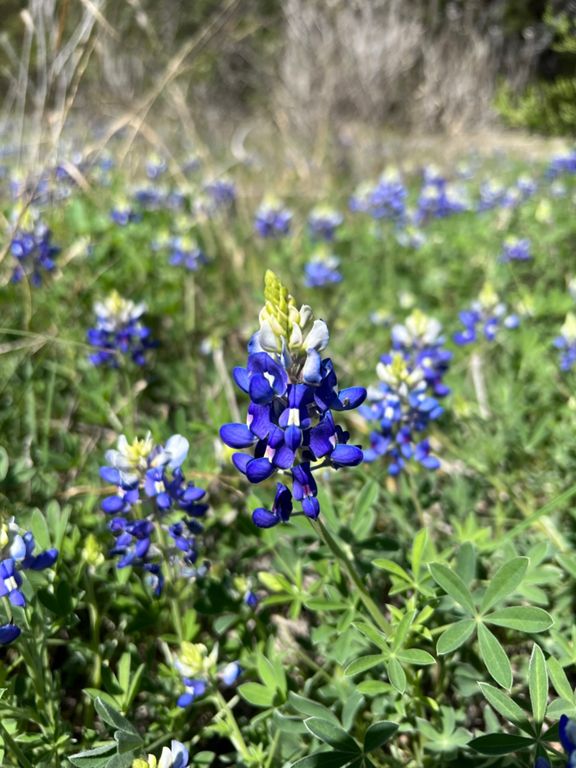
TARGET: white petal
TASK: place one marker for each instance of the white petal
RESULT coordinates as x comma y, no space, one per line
318,337
177,447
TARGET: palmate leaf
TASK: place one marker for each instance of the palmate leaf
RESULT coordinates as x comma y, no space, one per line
455,636
110,716
396,674
332,734
538,684
257,695
453,585
494,657
311,708
378,734
500,744
505,705
559,679
504,582
363,664
522,618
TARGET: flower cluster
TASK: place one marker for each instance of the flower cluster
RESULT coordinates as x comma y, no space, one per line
123,212
438,198
516,249
566,343
119,332
323,222
567,730
403,409
421,343
184,252
198,670
154,511
17,554
322,269
486,317
385,200
272,219
293,392
34,252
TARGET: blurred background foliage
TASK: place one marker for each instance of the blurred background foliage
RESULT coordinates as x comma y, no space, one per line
305,65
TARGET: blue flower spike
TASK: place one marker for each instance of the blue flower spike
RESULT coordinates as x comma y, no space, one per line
290,426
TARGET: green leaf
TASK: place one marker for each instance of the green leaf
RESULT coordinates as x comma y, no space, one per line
364,514
504,582
455,636
373,634
418,549
203,758
121,761
494,657
363,664
127,742
416,656
373,687
391,567
504,704
4,462
378,734
325,760
559,679
402,630
257,694
500,744
538,684
453,585
331,734
522,618
109,715
266,672
311,708
396,675
94,758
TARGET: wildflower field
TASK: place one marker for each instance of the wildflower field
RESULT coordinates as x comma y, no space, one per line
287,480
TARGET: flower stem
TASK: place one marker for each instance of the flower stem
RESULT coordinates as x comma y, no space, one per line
235,733
355,577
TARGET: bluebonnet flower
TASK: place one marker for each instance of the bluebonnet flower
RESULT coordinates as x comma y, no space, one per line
421,342
184,251
566,343
322,269
385,200
222,192
410,237
323,222
33,250
403,410
562,164
119,332
17,554
197,668
438,198
494,194
293,391
174,756
527,186
485,318
230,673
272,219
151,496
516,249
156,166
567,730
123,213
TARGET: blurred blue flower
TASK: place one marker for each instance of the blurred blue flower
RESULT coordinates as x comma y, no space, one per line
34,253
516,249
485,318
566,343
323,222
272,219
118,332
322,270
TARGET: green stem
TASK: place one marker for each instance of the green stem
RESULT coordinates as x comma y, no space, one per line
415,499
348,566
235,732
14,748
